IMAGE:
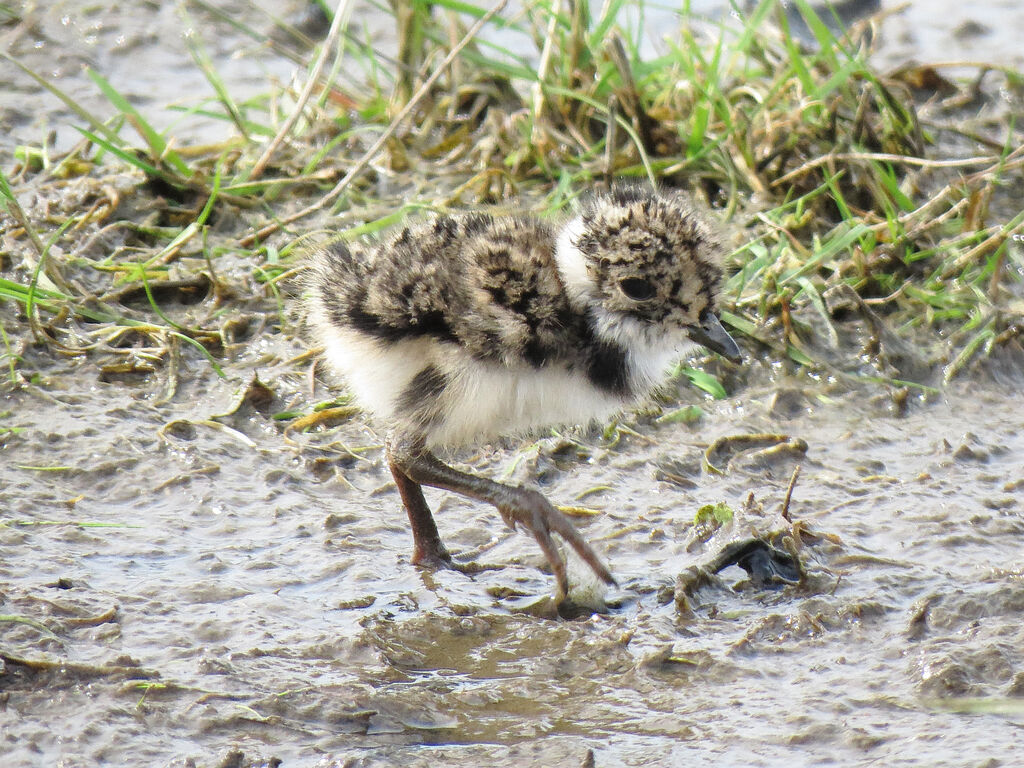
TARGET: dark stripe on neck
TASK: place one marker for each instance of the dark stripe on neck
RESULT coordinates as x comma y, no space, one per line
607,368
422,391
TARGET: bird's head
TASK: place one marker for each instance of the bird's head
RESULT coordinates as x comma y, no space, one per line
647,267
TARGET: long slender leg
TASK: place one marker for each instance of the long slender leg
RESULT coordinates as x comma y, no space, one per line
516,505
428,549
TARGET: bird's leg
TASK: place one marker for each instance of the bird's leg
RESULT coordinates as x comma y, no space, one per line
428,549
516,505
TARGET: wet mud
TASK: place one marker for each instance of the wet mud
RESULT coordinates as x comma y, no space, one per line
187,580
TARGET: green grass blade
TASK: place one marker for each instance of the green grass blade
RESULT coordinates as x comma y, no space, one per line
132,159
202,59
70,103
706,382
158,148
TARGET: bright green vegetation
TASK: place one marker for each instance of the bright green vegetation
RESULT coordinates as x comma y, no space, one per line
846,201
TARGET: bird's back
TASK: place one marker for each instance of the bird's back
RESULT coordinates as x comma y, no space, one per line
460,328
488,285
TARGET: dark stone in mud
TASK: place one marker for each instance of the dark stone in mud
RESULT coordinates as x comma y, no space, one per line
236,759
766,567
764,564
969,29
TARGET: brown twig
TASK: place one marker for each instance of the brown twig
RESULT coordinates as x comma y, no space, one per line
884,157
789,494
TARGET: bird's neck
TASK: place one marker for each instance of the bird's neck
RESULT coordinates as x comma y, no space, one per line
572,267
643,353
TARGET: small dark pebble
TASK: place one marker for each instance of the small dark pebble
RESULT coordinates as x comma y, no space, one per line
765,565
970,28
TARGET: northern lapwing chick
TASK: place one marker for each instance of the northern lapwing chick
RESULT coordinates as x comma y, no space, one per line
460,329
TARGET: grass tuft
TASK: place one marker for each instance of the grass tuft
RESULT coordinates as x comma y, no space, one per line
855,196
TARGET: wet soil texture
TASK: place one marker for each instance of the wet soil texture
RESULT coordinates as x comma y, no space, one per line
179,583
187,580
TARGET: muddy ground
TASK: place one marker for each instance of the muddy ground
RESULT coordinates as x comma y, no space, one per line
184,580
200,591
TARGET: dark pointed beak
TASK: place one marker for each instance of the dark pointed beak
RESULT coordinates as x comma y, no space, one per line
712,335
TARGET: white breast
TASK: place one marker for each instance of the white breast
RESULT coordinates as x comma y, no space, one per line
484,401
481,400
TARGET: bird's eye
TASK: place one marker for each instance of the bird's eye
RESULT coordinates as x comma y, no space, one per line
637,246
637,289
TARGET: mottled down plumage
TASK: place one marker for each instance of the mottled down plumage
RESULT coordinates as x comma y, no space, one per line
462,328
504,321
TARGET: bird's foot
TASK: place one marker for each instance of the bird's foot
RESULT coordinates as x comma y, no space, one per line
438,558
530,509
413,466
